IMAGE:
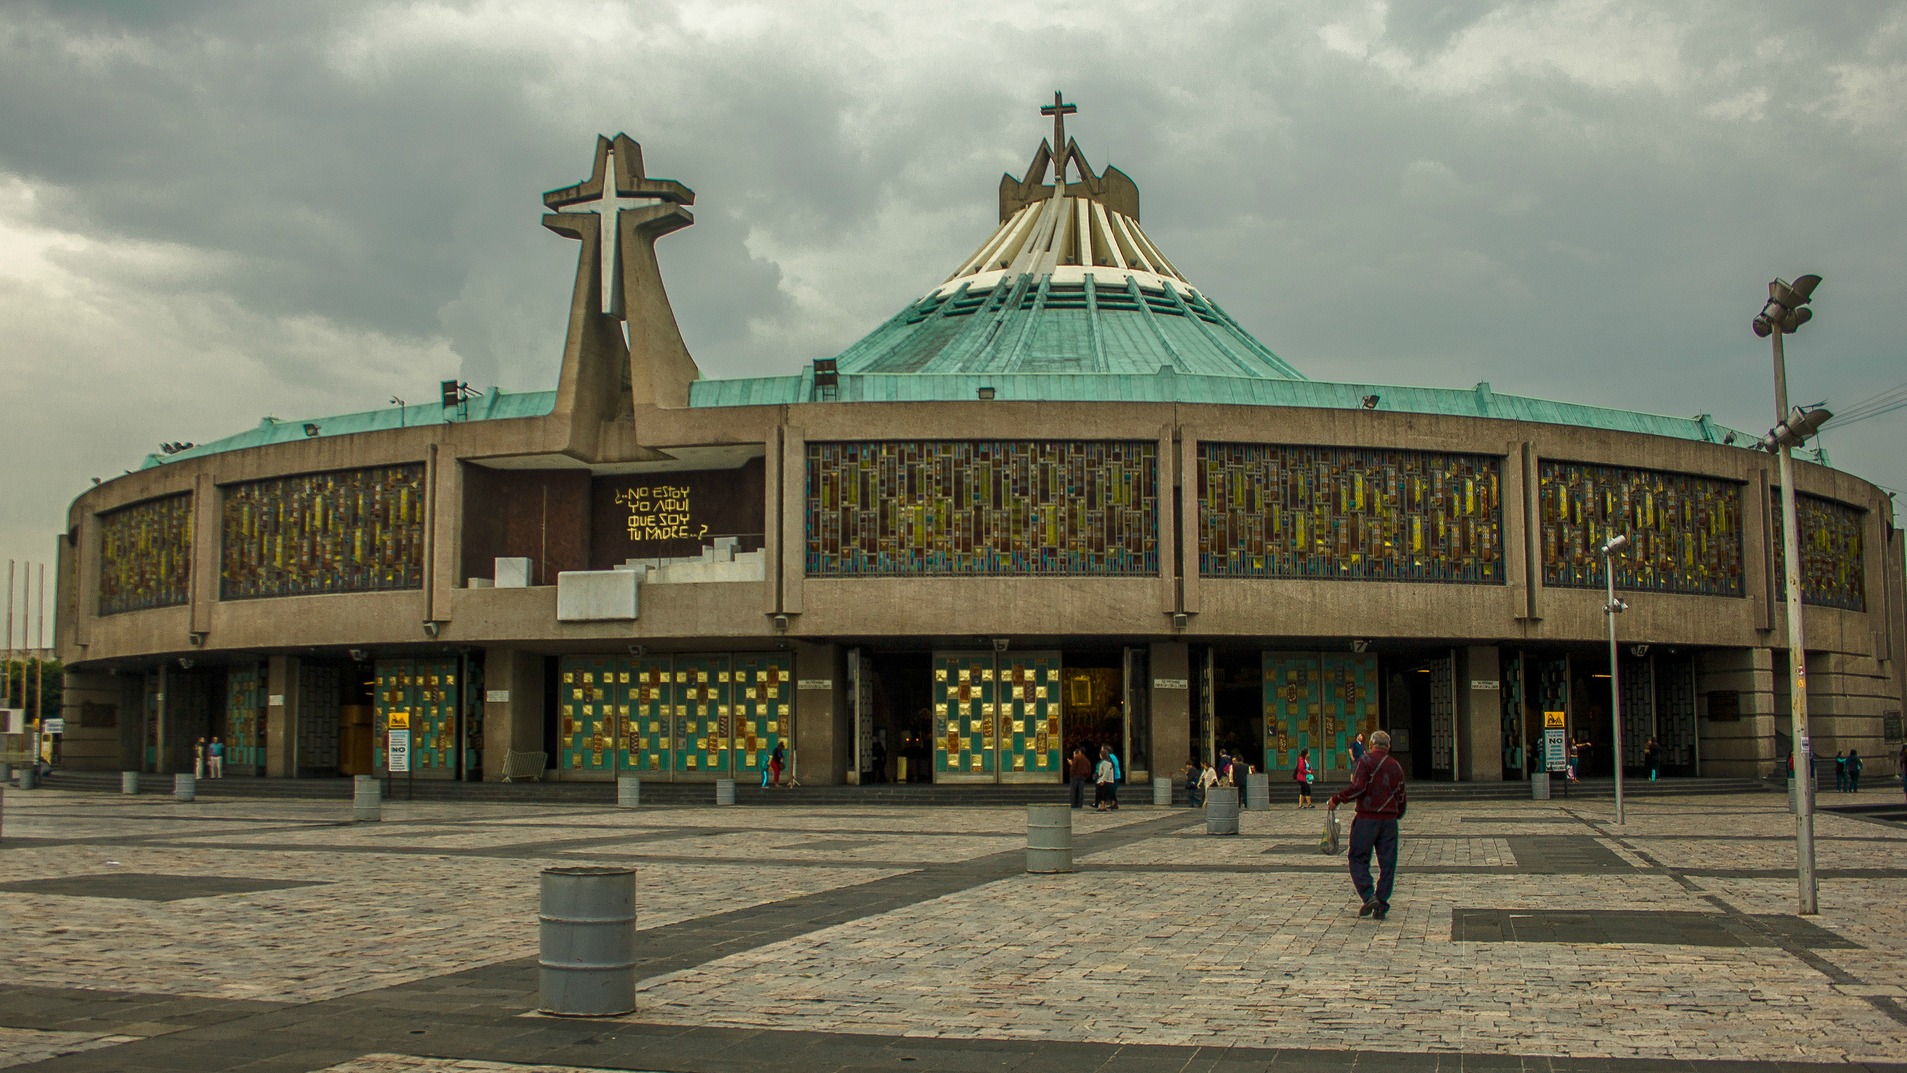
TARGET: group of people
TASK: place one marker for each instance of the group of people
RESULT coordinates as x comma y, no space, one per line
1847,770
1105,775
777,763
208,760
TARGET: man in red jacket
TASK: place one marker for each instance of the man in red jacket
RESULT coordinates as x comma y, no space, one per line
1377,785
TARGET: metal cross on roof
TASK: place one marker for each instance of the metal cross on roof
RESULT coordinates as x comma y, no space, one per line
1059,110
609,204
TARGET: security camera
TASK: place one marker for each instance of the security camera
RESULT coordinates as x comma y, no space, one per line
636,651
358,655
186,663
1638,651
999,644
430,628
1359,646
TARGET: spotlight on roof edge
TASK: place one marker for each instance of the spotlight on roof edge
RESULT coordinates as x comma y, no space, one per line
1787,306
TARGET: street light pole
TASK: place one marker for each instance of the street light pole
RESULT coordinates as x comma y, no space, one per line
1610,610
1786,311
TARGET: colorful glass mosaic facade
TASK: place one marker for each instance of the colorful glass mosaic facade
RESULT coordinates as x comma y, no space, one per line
966,508
426,691
1685,532
145,555
997,717
692,715
1317,701
355,530
1349,512
1833,564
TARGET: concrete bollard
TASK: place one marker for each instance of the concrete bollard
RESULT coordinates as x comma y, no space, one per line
185,787
129,782
587,941
1221,810
367,799
29,777
724,791
1161,790
628,791
1049,838
1539,786
1258,791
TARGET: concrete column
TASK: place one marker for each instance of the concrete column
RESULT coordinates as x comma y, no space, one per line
1171,668
823,739
1479,714
1735,705
281,716
512,707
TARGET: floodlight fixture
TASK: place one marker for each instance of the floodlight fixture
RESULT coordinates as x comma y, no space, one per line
311,428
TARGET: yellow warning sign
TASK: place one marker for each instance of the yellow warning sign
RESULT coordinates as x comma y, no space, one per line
1553,720
402,721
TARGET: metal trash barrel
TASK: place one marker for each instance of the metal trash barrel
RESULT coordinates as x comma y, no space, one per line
586,931
129,782
1161,790
628,791
1049,838
29,777
1539,786
367,799
185,786
724,791
6,771
1258,791
1221,810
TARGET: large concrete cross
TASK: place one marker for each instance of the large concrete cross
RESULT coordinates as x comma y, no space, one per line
609,204
1059,110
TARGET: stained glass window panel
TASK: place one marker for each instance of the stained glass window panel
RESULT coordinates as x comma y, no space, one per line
355,530
1833,564
1351,513
145,555
1685,531
986,507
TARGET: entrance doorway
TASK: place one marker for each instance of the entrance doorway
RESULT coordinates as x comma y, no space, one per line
895,740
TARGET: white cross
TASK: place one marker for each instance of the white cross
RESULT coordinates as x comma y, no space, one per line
609,205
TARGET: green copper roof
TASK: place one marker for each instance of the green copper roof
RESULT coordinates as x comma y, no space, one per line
1167,385
496,406
1038,325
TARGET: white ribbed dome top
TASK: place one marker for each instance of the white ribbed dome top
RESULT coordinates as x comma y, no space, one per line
1066,237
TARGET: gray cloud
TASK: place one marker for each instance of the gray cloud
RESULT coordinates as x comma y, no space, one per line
213,211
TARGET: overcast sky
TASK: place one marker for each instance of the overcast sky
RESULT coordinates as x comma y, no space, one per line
210,212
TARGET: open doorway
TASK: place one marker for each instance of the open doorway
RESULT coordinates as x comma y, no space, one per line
900,746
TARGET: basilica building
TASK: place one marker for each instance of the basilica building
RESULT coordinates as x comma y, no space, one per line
1059,499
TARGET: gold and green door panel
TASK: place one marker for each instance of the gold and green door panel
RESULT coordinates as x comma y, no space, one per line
590,694
1291,707
434,718
244,721
1028,702
1348,696
703,716
965,745
762,702
648,715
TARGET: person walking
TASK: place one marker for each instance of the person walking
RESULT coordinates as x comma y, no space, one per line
1378,788
1208,778
198,759
1103,800
1840,772
777,760
1081,771
1304,776
1854,771
215,760
1110,764
1652,758
1357,749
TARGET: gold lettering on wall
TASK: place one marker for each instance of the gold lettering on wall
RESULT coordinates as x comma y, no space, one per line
660,512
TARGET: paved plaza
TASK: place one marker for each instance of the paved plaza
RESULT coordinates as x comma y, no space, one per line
142,934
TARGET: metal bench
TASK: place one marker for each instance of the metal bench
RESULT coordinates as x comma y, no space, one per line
519,765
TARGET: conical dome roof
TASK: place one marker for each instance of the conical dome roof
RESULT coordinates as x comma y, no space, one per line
1068,283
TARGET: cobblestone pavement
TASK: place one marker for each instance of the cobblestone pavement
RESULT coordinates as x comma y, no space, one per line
141,934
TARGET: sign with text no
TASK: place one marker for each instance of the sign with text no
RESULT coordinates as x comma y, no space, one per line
397,752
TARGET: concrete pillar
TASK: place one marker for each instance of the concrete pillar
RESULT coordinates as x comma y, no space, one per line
823,741
1171,669
1736,716
281,716
512,707
1479,714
